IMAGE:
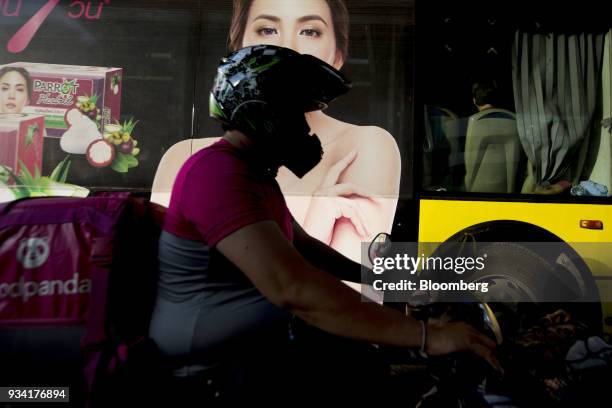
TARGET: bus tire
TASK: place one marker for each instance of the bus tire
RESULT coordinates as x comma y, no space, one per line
513,263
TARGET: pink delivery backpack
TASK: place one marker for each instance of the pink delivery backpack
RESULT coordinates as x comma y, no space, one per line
77,285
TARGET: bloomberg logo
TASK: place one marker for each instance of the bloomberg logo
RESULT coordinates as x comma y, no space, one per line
90,10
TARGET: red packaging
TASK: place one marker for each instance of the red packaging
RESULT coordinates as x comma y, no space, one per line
21,140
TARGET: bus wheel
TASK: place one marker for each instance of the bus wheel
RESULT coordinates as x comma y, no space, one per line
528,280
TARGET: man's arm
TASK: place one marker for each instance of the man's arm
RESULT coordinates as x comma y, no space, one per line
284,277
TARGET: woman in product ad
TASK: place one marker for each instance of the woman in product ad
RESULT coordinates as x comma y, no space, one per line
351,195
15,89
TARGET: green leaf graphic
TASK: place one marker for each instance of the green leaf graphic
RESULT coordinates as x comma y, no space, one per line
119,164
130,160
5,175
60,172
29,137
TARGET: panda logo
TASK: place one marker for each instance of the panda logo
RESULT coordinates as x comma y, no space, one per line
33,252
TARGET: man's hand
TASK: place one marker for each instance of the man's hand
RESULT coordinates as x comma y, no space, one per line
453,337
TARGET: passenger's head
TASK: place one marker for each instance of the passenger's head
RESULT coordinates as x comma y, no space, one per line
315,27
485,94
15,89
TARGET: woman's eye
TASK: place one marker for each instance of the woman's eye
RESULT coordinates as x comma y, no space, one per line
310,32
267,31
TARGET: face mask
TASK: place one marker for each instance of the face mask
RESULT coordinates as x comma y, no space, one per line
292,145
302,154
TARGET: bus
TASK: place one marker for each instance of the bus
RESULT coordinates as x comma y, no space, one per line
515,108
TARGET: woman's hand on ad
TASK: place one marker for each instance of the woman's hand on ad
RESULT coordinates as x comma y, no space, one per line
333,200
331,209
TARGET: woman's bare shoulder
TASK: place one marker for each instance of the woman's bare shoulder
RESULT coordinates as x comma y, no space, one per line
371,142
374,134
182,147
374,139
201,143
174,158
189,146
377,165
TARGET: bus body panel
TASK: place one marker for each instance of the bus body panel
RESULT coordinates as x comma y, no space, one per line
440,219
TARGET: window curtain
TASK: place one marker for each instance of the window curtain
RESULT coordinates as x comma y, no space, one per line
556,82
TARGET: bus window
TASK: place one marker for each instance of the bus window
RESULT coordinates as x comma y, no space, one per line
514,102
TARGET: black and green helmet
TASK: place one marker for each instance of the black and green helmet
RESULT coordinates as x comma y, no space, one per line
254,84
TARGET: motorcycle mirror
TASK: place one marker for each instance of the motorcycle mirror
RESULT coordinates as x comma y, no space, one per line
380,246
491,322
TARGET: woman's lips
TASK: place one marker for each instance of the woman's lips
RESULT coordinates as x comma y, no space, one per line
10,106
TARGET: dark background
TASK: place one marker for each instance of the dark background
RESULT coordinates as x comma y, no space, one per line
459,42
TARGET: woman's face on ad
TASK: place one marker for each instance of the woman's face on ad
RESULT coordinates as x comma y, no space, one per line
13,92
305,26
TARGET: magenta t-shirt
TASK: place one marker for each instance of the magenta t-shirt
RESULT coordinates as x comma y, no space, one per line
217,192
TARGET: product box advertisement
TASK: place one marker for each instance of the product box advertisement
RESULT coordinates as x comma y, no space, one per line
77,111
57,90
